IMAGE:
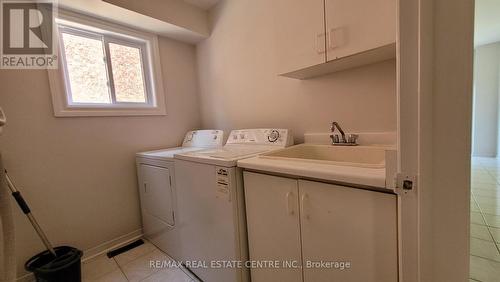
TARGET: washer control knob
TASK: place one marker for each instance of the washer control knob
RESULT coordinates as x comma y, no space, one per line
273,135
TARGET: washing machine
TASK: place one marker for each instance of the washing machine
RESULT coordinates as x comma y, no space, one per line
157,190
211,223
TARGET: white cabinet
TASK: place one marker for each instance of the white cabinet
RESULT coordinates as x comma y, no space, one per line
312,222
273,214
319,37
355,26
348,225
300,33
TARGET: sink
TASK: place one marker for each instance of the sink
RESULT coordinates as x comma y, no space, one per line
358,156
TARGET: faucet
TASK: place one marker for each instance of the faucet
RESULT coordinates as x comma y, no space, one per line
349,141
332,129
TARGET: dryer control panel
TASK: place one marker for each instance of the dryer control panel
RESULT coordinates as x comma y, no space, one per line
204,138
263,136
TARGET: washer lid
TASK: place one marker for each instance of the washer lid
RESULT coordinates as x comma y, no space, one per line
226,156
166,154
231,152
243,143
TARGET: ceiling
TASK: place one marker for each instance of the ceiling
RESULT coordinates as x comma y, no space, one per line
143,19
203,4
487,22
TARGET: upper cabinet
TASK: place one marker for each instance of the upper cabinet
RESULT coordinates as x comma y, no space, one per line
320,37
300,33
356,26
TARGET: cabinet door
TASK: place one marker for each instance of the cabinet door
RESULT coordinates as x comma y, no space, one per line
354,26
156,193
299,33
341,224
273,226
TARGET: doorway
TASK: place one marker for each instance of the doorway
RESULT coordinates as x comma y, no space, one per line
485,163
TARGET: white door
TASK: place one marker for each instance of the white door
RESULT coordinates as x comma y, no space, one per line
299,34
273,226
156,193
342,224
354,26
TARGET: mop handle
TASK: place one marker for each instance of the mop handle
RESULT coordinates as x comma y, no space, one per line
26,210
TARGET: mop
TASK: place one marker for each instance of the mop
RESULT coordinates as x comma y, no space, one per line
7,258
26,210
8,266
60,264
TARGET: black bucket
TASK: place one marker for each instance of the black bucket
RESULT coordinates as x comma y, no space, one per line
65,267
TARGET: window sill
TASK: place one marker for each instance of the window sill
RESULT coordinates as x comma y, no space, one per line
109,112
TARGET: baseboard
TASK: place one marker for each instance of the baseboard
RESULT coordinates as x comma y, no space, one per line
111,244
97,250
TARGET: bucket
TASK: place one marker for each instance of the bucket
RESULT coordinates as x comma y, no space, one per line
65,267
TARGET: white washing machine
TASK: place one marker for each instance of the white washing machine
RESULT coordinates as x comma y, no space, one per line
155,170
211,207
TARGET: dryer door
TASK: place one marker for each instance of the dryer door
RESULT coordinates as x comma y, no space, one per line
156,193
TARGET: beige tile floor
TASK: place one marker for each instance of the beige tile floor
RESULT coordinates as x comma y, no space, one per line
485,220
133,265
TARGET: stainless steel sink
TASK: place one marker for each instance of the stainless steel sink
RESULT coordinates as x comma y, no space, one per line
359,156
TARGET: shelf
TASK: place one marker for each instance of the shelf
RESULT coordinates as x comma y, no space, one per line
380,54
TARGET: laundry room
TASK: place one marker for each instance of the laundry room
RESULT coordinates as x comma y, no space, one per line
234,141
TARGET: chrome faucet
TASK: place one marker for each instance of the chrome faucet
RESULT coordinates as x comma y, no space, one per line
351,139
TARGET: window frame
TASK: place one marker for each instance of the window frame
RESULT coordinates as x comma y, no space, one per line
108,33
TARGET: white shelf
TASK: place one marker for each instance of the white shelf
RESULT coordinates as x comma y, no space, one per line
383,53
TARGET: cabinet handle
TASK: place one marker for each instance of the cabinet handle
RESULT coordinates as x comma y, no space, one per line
289,208
333,40
330,40
303,205
145,187
320,43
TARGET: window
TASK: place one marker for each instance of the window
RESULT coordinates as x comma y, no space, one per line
105,70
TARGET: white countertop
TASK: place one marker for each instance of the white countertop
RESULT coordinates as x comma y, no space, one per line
374,177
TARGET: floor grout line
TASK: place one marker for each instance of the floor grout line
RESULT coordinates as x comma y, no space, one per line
486,223
485,258
147,253
120,268
488,228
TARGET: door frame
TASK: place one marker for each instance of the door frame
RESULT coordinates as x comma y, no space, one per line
408,46
434,98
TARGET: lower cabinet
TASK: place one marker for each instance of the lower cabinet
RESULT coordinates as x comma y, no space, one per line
333,233
272,208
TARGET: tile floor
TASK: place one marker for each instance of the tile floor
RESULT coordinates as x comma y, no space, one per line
133,265
485,220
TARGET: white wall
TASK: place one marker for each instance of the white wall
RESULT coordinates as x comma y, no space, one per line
486,22
78,174
239,86
486,91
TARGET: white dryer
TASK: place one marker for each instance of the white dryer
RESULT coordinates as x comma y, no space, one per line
155,170
211,222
